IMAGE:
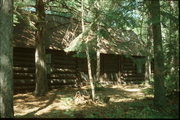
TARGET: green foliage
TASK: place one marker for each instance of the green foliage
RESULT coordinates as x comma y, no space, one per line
15,19
148,91
69,112
172,83
104,33
83,55
116,15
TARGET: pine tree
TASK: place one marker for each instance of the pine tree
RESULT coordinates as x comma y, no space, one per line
6,59
159,89
41,70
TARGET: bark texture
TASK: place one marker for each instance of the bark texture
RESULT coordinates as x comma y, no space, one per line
159,89
87,55
40,55
6,61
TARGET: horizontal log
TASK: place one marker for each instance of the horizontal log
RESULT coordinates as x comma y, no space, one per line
133,75
62,83
132,72
133,79
64,62
24,69
23,64
128,71
19,89
83,70
22,48
63,86
24,54
24,77
60,80
24,82
64,72
23,89
57,70
23,74
28,59
70,59
64,66
63,77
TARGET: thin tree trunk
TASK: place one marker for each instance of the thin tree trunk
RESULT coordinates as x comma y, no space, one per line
41,70
149,57
159,89
98,69
90,73
6,59
172,56
149,47
87,54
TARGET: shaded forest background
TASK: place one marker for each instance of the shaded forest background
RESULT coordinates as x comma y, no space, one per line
156,23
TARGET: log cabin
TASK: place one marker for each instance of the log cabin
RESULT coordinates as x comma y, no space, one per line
66,69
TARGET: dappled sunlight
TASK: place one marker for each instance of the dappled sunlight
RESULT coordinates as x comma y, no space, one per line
48,109
132,90
59,103
23,111
121,99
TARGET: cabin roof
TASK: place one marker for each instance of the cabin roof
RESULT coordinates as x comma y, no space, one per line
61,31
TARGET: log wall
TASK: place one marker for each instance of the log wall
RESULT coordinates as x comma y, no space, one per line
64,69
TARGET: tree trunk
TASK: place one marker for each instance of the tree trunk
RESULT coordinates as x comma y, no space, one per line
148,69
90,73
148,72
87,54
41,70
159,89
6,59
172,68
149,46
98,69
98,64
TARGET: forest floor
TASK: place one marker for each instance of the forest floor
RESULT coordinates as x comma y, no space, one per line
128,101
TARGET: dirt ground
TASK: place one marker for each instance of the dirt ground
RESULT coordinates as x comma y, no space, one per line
128,101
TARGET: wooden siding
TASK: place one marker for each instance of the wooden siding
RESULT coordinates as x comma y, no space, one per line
64,69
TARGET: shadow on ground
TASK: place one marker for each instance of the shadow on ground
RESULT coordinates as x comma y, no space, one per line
125,102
